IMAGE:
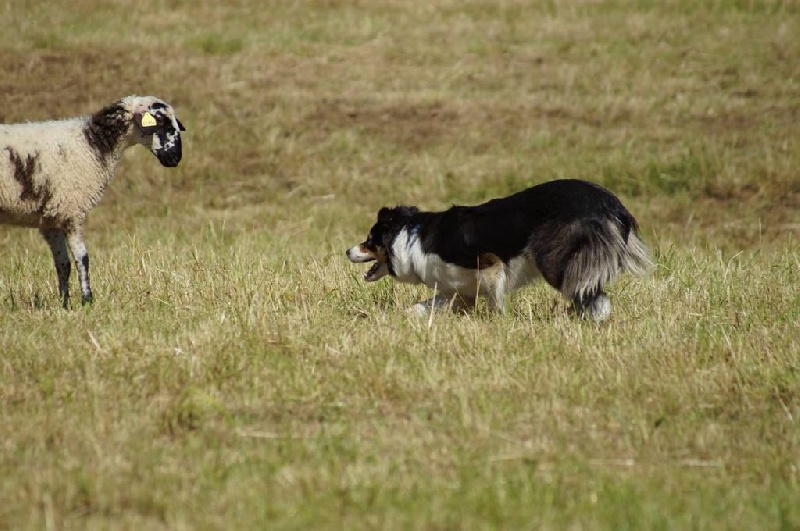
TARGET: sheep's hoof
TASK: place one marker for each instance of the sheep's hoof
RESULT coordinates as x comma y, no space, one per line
87,299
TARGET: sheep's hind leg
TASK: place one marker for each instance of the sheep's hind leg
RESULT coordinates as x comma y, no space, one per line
57,241
81,257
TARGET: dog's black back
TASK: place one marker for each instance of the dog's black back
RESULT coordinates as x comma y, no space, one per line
507,226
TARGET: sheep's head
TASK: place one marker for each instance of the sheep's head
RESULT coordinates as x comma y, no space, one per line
158,129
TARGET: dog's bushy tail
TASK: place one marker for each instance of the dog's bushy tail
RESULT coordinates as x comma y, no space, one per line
636,257
600,251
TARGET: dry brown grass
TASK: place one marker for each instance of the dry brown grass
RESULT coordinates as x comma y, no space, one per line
235,372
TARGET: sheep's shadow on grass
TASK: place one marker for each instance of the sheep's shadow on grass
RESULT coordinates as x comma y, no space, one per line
16,300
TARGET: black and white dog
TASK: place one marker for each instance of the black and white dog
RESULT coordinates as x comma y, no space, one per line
576,235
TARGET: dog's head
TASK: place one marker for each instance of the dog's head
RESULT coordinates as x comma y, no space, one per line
158,129
378,245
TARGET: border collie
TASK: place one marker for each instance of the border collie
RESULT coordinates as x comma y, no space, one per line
576,235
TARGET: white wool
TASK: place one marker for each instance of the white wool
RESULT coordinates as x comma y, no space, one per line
66,171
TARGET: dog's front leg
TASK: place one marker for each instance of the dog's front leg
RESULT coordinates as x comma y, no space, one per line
497,303
496,297
492,278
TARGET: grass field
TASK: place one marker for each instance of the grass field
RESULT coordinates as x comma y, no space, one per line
236,373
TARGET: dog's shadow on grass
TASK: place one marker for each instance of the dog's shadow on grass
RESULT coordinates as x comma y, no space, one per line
543,312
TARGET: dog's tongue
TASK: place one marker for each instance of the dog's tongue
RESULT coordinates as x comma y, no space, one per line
370,274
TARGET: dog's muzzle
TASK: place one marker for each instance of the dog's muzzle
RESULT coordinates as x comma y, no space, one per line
357,255
378,270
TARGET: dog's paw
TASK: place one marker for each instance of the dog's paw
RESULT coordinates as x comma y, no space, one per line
420,309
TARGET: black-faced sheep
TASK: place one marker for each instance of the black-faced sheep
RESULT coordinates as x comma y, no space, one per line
52,173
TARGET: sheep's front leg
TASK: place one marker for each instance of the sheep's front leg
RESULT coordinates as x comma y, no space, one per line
57,241
81,257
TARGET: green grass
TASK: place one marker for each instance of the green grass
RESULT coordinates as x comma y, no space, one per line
236,373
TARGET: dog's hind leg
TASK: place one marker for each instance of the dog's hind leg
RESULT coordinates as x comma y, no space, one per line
579,262
595,306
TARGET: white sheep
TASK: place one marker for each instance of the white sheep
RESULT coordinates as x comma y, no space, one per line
52,173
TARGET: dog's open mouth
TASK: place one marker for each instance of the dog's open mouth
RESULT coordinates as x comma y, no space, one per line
378,270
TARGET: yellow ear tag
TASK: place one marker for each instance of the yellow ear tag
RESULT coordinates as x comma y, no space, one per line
148,120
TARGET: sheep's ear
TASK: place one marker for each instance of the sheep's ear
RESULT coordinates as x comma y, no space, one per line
180,125
147,122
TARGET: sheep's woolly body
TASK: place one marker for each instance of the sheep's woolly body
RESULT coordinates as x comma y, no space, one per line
52,173
48,175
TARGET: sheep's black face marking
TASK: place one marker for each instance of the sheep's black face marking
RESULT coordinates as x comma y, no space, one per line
167,147
23,173
166,143
105,130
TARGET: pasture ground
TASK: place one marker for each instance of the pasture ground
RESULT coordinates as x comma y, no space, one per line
236,373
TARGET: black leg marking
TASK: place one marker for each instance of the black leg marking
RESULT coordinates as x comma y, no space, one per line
57,241
87,293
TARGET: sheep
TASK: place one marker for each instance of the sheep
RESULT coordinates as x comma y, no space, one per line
52,173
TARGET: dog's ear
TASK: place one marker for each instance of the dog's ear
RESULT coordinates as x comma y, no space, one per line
385,215
407,211
397,215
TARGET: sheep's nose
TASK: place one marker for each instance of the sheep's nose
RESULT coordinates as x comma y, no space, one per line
170,160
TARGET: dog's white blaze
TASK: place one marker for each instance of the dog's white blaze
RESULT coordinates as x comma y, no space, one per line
355,255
